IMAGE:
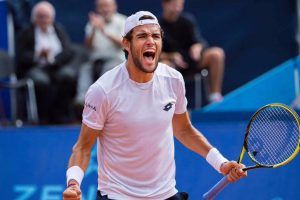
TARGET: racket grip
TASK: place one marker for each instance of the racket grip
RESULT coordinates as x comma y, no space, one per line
214,191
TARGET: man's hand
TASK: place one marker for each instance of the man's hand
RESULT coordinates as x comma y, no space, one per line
44,53
72,192
233,170
195,51
97,21
178,60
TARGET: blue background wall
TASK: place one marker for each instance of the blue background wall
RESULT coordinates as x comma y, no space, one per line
255,34
3,25
277,85
4,93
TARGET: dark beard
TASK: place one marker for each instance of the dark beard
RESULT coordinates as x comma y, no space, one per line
139,65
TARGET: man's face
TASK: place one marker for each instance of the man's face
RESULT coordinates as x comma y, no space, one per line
106,8
144,49
43,18
173,8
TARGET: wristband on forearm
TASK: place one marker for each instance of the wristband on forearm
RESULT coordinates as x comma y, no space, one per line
72,184
75,173
215,159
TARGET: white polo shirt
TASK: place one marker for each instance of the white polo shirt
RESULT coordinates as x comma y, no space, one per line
136,149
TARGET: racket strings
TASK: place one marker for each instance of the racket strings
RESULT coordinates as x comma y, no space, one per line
280,139
273,136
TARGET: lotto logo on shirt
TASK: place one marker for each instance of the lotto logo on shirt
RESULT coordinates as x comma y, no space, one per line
168,106
90,106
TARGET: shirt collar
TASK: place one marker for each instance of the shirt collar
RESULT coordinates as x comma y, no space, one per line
49,30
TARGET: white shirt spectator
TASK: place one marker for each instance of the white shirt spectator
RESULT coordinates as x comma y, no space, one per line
47,41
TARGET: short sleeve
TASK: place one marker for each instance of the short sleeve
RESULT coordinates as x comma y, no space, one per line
88,29
95,108
181,102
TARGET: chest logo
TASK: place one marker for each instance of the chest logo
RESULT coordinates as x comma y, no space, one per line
168,107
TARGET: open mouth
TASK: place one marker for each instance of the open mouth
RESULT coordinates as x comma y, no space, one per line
149,55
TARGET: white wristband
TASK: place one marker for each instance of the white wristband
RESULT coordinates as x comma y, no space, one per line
75,173
215,159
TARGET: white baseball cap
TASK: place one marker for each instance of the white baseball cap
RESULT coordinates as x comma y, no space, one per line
134,20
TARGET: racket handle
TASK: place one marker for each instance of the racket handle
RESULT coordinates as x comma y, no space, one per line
214,191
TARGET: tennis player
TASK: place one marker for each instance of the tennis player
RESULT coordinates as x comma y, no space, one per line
133,111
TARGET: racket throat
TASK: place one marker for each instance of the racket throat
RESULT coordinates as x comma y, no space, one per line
255,167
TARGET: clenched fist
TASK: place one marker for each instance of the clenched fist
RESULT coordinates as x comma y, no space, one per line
72,192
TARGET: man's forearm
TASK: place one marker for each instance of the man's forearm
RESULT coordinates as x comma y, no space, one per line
80,158
194,140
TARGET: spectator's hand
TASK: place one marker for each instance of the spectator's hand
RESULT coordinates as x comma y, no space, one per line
179,61
195,51
233,170
72,192
97,21
44,53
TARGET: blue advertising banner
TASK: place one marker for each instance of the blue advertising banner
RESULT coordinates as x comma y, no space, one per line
34,160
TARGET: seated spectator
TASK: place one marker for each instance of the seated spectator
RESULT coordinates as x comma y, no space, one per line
185,49
104,40
44,51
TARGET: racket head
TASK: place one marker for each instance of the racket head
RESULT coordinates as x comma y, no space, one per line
272,136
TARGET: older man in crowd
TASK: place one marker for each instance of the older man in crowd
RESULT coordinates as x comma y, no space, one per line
44,53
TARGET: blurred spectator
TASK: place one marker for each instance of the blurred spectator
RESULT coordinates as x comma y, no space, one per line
104,40
186,50
44,51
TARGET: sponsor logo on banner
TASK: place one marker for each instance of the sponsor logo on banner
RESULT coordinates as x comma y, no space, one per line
54,191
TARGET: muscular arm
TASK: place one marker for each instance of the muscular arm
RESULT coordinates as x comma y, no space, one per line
189,136
82,149
80,157
195,141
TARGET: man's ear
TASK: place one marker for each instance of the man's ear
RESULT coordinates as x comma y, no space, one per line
126,44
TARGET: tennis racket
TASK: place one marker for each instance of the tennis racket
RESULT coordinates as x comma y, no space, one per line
271,141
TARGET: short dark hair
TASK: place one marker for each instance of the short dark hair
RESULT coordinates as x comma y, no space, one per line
128,36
